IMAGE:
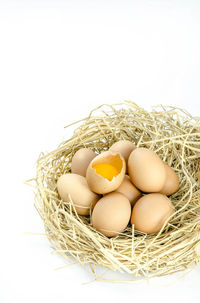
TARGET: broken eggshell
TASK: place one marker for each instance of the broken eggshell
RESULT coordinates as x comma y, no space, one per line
113,164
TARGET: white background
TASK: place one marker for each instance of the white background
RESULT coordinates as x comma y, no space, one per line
58,60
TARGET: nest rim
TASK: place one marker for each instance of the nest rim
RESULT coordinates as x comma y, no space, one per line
177,246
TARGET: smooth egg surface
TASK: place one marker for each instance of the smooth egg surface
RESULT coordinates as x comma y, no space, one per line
111,214
150,212
81,160
146,170
76,186
129,190
171,184
106,172
124,147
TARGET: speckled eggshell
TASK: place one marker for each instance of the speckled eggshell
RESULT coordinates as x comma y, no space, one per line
76,186
129,190
146,170
171,184
111,214
99,184
81,160
150,212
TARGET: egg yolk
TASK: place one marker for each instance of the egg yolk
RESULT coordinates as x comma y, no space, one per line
106,170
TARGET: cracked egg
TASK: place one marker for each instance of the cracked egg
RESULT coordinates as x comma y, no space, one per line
106,172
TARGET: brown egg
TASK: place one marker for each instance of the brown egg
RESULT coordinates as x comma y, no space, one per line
129,190
76,186
81,160
171,184
150,213
124,147
111,214
106,172
146,170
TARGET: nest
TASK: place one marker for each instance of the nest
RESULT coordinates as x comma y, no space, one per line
175,136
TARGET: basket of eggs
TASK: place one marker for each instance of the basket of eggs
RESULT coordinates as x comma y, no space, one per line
124,191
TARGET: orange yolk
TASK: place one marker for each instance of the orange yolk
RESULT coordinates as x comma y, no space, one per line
106,170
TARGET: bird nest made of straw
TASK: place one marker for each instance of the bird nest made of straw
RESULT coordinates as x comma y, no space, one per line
175,136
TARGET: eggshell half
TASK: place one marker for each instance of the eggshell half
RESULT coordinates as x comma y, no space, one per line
81,160
99,184
111,214
150,212
76,186
146,170
171,184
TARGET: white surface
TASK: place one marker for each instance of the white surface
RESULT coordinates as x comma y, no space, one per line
58,60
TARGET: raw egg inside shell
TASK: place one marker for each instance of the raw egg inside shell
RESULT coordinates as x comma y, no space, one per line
106,172
109,169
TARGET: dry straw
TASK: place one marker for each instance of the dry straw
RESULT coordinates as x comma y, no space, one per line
175,136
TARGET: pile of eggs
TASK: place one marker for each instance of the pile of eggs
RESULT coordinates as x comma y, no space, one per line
124,184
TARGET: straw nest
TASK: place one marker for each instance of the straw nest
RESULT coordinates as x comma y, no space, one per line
175,136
